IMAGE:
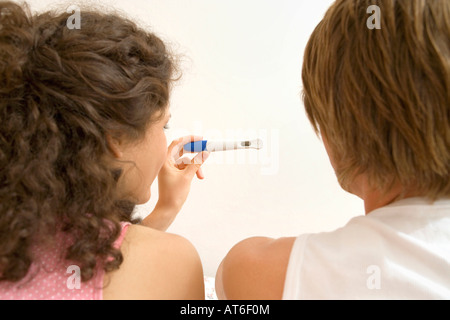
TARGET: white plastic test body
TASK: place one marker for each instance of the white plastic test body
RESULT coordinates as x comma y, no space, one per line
213,146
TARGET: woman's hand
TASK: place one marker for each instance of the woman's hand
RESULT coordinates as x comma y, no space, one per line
174,182
175,177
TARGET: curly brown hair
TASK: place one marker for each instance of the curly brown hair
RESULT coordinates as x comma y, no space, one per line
62,92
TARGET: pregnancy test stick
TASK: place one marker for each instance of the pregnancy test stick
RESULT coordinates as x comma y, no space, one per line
212,146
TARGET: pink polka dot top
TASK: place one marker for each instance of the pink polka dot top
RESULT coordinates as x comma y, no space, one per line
53,278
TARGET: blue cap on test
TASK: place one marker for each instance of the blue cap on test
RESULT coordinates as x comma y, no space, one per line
197,146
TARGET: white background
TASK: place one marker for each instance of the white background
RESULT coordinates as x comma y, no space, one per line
241,65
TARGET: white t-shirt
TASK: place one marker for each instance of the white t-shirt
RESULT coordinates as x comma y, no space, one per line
400,251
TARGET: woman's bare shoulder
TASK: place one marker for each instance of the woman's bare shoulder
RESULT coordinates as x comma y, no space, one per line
157,265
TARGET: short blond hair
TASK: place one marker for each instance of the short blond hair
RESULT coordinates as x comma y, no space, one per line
381,97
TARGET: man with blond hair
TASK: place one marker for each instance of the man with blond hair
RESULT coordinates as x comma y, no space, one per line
378,94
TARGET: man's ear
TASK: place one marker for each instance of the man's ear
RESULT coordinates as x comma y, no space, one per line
114,146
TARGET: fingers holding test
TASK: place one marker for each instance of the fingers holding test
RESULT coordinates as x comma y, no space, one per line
196,163
200,174
192,166
176,149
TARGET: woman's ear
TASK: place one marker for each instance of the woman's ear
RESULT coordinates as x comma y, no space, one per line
114,145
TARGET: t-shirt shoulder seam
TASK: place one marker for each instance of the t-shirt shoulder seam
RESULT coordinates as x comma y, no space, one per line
295,265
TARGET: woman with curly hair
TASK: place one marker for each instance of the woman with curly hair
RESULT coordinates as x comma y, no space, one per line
82,120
